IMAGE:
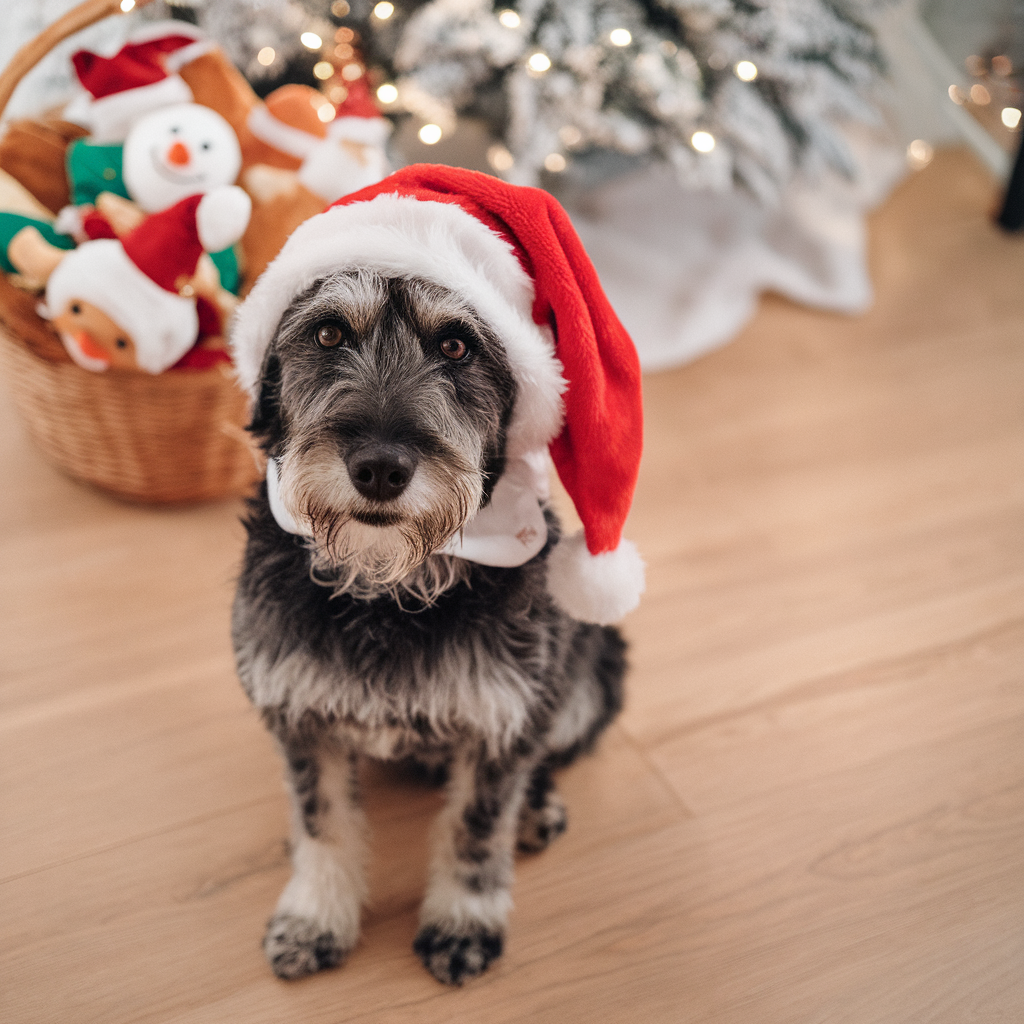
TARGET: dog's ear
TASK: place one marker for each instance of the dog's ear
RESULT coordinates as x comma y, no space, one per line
265,424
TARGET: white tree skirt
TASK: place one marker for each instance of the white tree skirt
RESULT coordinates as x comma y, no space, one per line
684,270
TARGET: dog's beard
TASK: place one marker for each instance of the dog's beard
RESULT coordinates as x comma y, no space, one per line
367,548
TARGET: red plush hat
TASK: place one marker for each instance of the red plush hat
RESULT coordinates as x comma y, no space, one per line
357,117
135,80
514,255
137,281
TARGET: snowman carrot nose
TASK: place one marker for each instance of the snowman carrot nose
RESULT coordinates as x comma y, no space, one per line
89,346
179,154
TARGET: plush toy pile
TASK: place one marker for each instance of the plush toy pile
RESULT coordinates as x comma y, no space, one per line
163,190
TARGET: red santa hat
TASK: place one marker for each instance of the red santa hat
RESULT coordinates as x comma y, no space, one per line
357,117
142,281
139,78
514,255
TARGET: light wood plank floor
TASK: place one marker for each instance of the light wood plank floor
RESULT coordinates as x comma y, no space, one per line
811,811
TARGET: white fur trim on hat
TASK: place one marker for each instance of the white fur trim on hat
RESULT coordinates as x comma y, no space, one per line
163,325
595,588
283,137
441,243
222,217
374,131
110,118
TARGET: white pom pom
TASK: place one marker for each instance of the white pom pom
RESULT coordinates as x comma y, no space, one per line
595,588
222,217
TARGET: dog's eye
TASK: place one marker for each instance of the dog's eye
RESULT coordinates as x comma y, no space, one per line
454,348
328,335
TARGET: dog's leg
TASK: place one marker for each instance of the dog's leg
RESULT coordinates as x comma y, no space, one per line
462,921
316,923
543,817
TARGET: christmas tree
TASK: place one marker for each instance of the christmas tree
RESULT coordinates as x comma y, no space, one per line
727,91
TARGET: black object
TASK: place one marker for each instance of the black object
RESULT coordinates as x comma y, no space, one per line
1012,215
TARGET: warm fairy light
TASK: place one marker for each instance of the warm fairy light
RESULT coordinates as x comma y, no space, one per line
956,95
668,48
323,69
703,142
127,5
746,71
344,35
266,56
383,10
570,135
430,133
1010,117
387,93
500,158
510,20
326,112
554,162
539,62
980,95
717,61
311,40
620,37
350,72
337,94
1002,65
343,51
340,8
919,154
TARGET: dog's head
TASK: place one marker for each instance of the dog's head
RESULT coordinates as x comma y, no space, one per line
385,403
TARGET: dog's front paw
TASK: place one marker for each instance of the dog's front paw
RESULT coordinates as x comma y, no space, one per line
296,947
452,956
539,826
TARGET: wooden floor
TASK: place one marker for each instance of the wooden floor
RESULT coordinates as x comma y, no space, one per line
811,811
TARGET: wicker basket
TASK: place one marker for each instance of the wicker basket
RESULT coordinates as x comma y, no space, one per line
173,437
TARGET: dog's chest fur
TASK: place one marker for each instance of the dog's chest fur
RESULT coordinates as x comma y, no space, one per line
487,660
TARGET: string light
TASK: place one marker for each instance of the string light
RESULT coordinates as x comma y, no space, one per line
337,94
387,93
383,10
350,72
266,56
127,5
1010,117
956,95
570,135
620,37
539,62
980,95
344,52
1002,65
323,69
311,40
510,20
554,162
340,8
919,154
703,142
746,71
430,133
500,158
344,35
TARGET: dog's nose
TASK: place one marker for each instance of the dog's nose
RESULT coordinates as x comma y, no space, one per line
381,471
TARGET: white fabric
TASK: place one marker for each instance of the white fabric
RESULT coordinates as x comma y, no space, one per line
284,137
684,269
110,118
507,533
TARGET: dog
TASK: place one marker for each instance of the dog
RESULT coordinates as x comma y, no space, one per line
405,592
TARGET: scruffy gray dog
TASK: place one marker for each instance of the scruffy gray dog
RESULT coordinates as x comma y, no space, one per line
398,415
391,399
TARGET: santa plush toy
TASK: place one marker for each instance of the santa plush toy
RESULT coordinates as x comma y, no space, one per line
132,303
515,257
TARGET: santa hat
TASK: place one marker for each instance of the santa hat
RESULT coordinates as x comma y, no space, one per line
288,120
514,255
357,117
142,282
137,79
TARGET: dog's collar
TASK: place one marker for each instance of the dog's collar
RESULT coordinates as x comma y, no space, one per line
507,533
